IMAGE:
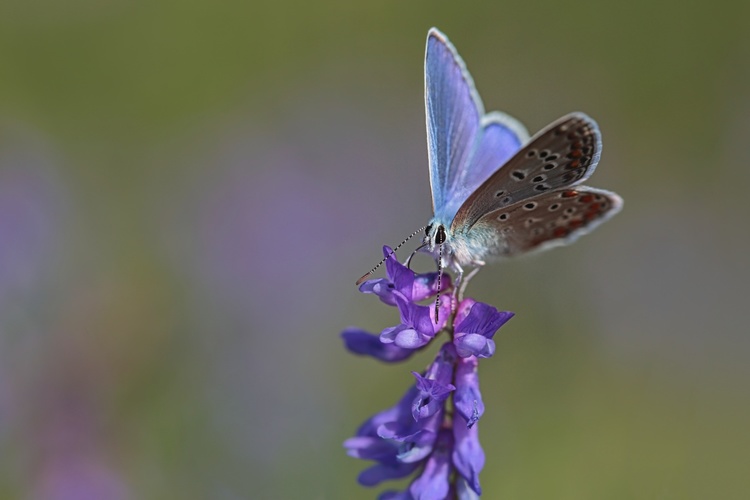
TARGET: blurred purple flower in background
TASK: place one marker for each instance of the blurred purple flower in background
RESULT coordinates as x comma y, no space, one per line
73,461
422,433
50,388
30,200
32,213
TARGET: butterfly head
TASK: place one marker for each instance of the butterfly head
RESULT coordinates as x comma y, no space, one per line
435,235
439,242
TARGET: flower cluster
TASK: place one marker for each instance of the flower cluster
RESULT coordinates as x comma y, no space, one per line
432,430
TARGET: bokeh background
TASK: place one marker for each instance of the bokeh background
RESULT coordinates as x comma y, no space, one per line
188,191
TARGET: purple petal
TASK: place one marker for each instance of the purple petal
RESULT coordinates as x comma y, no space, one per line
467,398
474,344
435,385
378,473
367,344
402,337
444,313
411,339
381,287
464,491
418,450
401,276
426,285
464,307
399,279
434,481
406,429
477,317
468,456
419,317
415,287
431,396
475,325
416,438
388,336
369,448
417,326
415,446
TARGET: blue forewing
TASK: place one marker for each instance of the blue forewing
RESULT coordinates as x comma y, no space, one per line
465,146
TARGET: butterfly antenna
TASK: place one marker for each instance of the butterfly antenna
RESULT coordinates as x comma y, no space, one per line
440,278
363,278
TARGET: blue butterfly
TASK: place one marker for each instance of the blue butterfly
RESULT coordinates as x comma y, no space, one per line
497,193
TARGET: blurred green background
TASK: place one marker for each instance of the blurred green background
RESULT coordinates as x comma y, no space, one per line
188,191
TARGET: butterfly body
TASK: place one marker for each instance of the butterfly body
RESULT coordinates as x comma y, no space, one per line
460,249
495,192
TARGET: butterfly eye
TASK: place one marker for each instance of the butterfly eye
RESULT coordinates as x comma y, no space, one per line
428,229
440,236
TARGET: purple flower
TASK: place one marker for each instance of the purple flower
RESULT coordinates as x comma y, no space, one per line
414,287
475,325
403,288
464,491
418,435
417,326
434,480
32,213
468,456
368,344
468,399
435,386
394,440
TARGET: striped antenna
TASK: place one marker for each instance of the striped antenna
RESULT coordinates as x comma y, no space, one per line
440,278
363,278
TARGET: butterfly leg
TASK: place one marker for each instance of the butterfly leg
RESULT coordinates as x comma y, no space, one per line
461,288
457,286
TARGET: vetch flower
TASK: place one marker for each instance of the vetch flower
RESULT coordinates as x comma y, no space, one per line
394,440
432,431
434,482
435,386
468,456
404,289
475,325
467,399
368,344
417,326
414,287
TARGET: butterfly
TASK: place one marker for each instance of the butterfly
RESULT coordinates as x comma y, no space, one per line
497,193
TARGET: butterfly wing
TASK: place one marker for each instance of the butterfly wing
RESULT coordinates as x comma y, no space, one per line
501,137
562,155
551,219
453,111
